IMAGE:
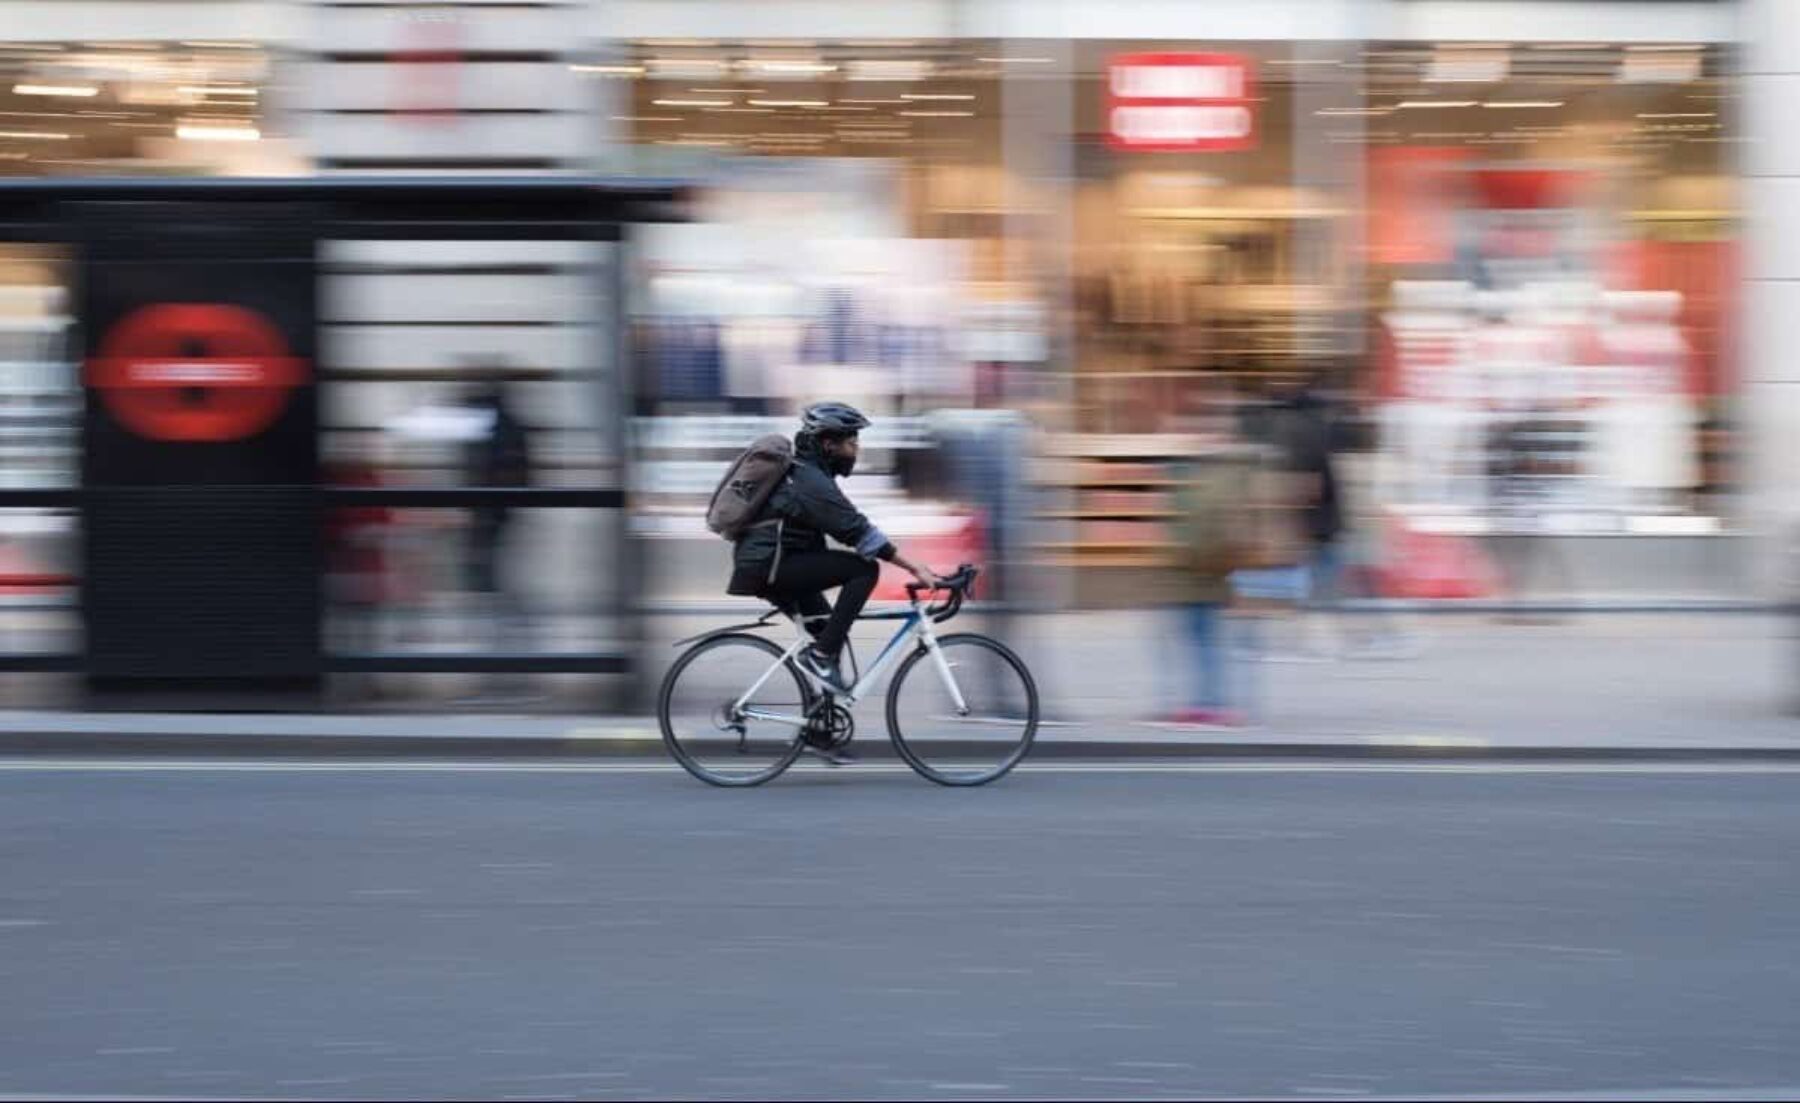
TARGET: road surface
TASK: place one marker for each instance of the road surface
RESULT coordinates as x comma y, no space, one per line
559,931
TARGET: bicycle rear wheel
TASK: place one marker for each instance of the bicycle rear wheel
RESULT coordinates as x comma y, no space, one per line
975,744
714,739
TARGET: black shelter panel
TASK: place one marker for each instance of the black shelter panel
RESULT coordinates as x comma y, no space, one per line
201,547
201,504
213,584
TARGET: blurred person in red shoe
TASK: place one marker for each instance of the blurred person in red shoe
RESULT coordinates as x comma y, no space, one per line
1211,536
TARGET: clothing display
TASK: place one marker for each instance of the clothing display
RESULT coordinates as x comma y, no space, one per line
1579,396
688,358
1650,421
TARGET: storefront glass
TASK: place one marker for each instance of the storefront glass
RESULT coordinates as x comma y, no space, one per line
1551,238
1509,265
853,244
118,108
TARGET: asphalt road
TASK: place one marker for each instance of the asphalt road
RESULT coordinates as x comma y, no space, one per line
545,933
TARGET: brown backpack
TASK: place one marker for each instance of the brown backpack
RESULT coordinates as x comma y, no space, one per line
741,495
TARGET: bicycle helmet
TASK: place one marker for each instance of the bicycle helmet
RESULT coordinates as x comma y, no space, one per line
836,419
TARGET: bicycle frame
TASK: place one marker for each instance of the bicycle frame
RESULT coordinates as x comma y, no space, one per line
915,626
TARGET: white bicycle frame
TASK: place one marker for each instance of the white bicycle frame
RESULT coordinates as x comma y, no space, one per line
916,628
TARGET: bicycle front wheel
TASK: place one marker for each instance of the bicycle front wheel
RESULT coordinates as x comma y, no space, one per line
978,740
731,710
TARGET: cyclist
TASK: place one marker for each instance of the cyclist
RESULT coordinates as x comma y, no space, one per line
782,558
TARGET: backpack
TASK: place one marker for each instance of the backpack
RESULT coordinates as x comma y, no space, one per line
748,483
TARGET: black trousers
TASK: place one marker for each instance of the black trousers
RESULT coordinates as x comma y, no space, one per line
804,576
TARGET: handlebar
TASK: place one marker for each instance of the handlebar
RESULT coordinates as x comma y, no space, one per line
956,585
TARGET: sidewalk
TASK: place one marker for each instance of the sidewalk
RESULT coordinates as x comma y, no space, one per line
1647,686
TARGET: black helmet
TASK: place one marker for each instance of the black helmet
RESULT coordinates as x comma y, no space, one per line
833,419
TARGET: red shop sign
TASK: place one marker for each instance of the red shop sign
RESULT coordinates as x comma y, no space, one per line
195,372
1180,103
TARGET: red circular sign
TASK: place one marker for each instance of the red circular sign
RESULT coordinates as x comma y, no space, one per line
195,372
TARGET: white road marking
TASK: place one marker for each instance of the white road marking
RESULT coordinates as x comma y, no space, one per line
53,1098
1147,766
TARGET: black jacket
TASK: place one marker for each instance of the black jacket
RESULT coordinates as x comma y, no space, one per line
502,458
805,509
1306,434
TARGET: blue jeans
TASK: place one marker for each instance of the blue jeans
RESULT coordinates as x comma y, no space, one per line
1206,628
1326,570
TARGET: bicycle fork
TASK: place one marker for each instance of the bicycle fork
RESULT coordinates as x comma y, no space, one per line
944,672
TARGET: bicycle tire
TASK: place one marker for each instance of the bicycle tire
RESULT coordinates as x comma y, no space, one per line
914,751
783,758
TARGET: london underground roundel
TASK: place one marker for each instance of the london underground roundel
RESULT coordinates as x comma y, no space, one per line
195,372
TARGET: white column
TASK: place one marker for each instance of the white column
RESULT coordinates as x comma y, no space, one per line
1770,313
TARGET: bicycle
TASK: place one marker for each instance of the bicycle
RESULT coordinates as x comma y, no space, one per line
969,726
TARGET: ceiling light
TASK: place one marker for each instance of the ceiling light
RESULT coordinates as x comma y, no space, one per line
938,114
31,135
79,91
1677,114
740,111
883,69
788,103
194,132
690,103
1408,104
646,118
1468,64
609,70
870,101
1522,103
675,66
935,96
763,65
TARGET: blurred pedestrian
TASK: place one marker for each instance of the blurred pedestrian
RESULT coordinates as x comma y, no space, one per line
1210,533
1370,631
980,460
498,459
1305,432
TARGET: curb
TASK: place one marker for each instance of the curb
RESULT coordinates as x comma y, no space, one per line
369,747
1714,605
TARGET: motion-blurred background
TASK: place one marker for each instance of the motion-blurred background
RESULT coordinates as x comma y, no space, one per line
1469,276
